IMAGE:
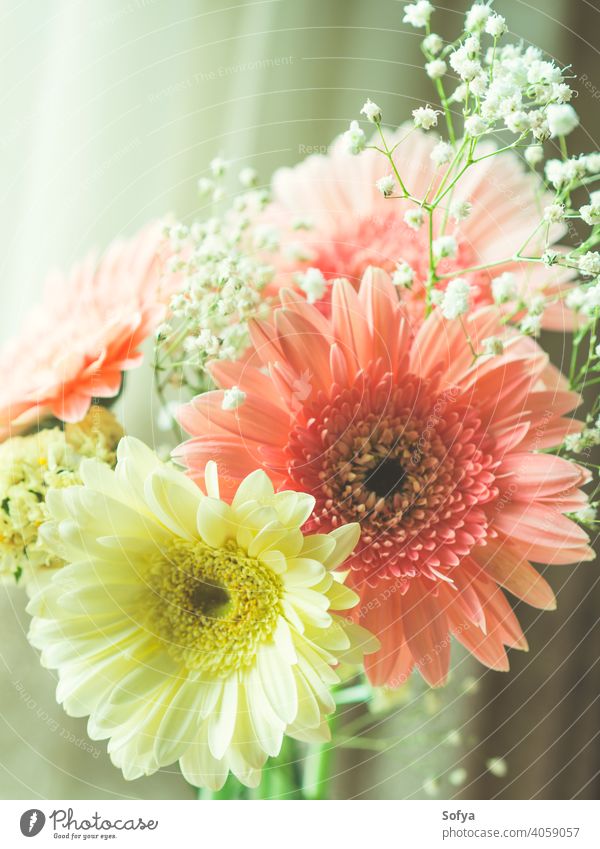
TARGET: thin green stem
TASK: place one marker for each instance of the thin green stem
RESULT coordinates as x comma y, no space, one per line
392,163
317,771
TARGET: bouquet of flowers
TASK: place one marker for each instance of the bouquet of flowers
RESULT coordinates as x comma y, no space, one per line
365,446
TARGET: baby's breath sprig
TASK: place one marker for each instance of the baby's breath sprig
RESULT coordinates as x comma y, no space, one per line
503,88
514,94
223,283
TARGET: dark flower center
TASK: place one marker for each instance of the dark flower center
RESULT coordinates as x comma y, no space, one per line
209,599
386,479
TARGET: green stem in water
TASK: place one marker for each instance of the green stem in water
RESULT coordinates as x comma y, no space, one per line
281,775
317,771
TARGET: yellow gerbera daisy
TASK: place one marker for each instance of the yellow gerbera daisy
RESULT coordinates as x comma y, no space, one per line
188,628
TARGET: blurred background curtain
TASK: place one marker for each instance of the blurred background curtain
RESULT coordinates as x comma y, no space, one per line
111,111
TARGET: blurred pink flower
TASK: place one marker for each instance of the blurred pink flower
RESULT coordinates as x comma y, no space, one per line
435,454
353,226
75,344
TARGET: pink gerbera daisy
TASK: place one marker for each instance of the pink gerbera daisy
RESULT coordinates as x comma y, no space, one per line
434,452
87,330
352,226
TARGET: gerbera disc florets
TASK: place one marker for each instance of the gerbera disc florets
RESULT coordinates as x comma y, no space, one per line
213,607
407,463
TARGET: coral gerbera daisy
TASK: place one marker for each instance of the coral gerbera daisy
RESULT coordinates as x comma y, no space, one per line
433,452
87,330
189,628
330,216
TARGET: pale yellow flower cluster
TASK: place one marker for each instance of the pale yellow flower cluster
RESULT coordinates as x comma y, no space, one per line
32,465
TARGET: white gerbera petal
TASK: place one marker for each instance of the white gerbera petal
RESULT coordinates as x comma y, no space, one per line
319,546
222,721
293,508
303,572
174,499
255,487
345,538
214,522
200,767
278,682
211,479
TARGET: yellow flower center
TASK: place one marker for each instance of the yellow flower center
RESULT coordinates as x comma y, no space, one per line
213,607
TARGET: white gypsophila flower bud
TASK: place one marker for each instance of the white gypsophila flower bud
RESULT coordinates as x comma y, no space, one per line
386,185
456,298
493,346
589,263
372,112
537,305
496,26
403,275
471,45
592,163
550,257
574,168
475,126
266,238
476,17
414,218
175,264
562,119
442,153
459,95
178,233
479,85
207,343
433,43
534,154
218,166
233,398
574,442
298,252
591,304
561,92
436,69
355,138
555,172
554,213
538,124
575,298
460,209
425,117
587,515
163,330
444,246
466,68
312,283
504,288
542,72
517,121
218,194
531,325
418,14
590,213
248,177
595,198
205,186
